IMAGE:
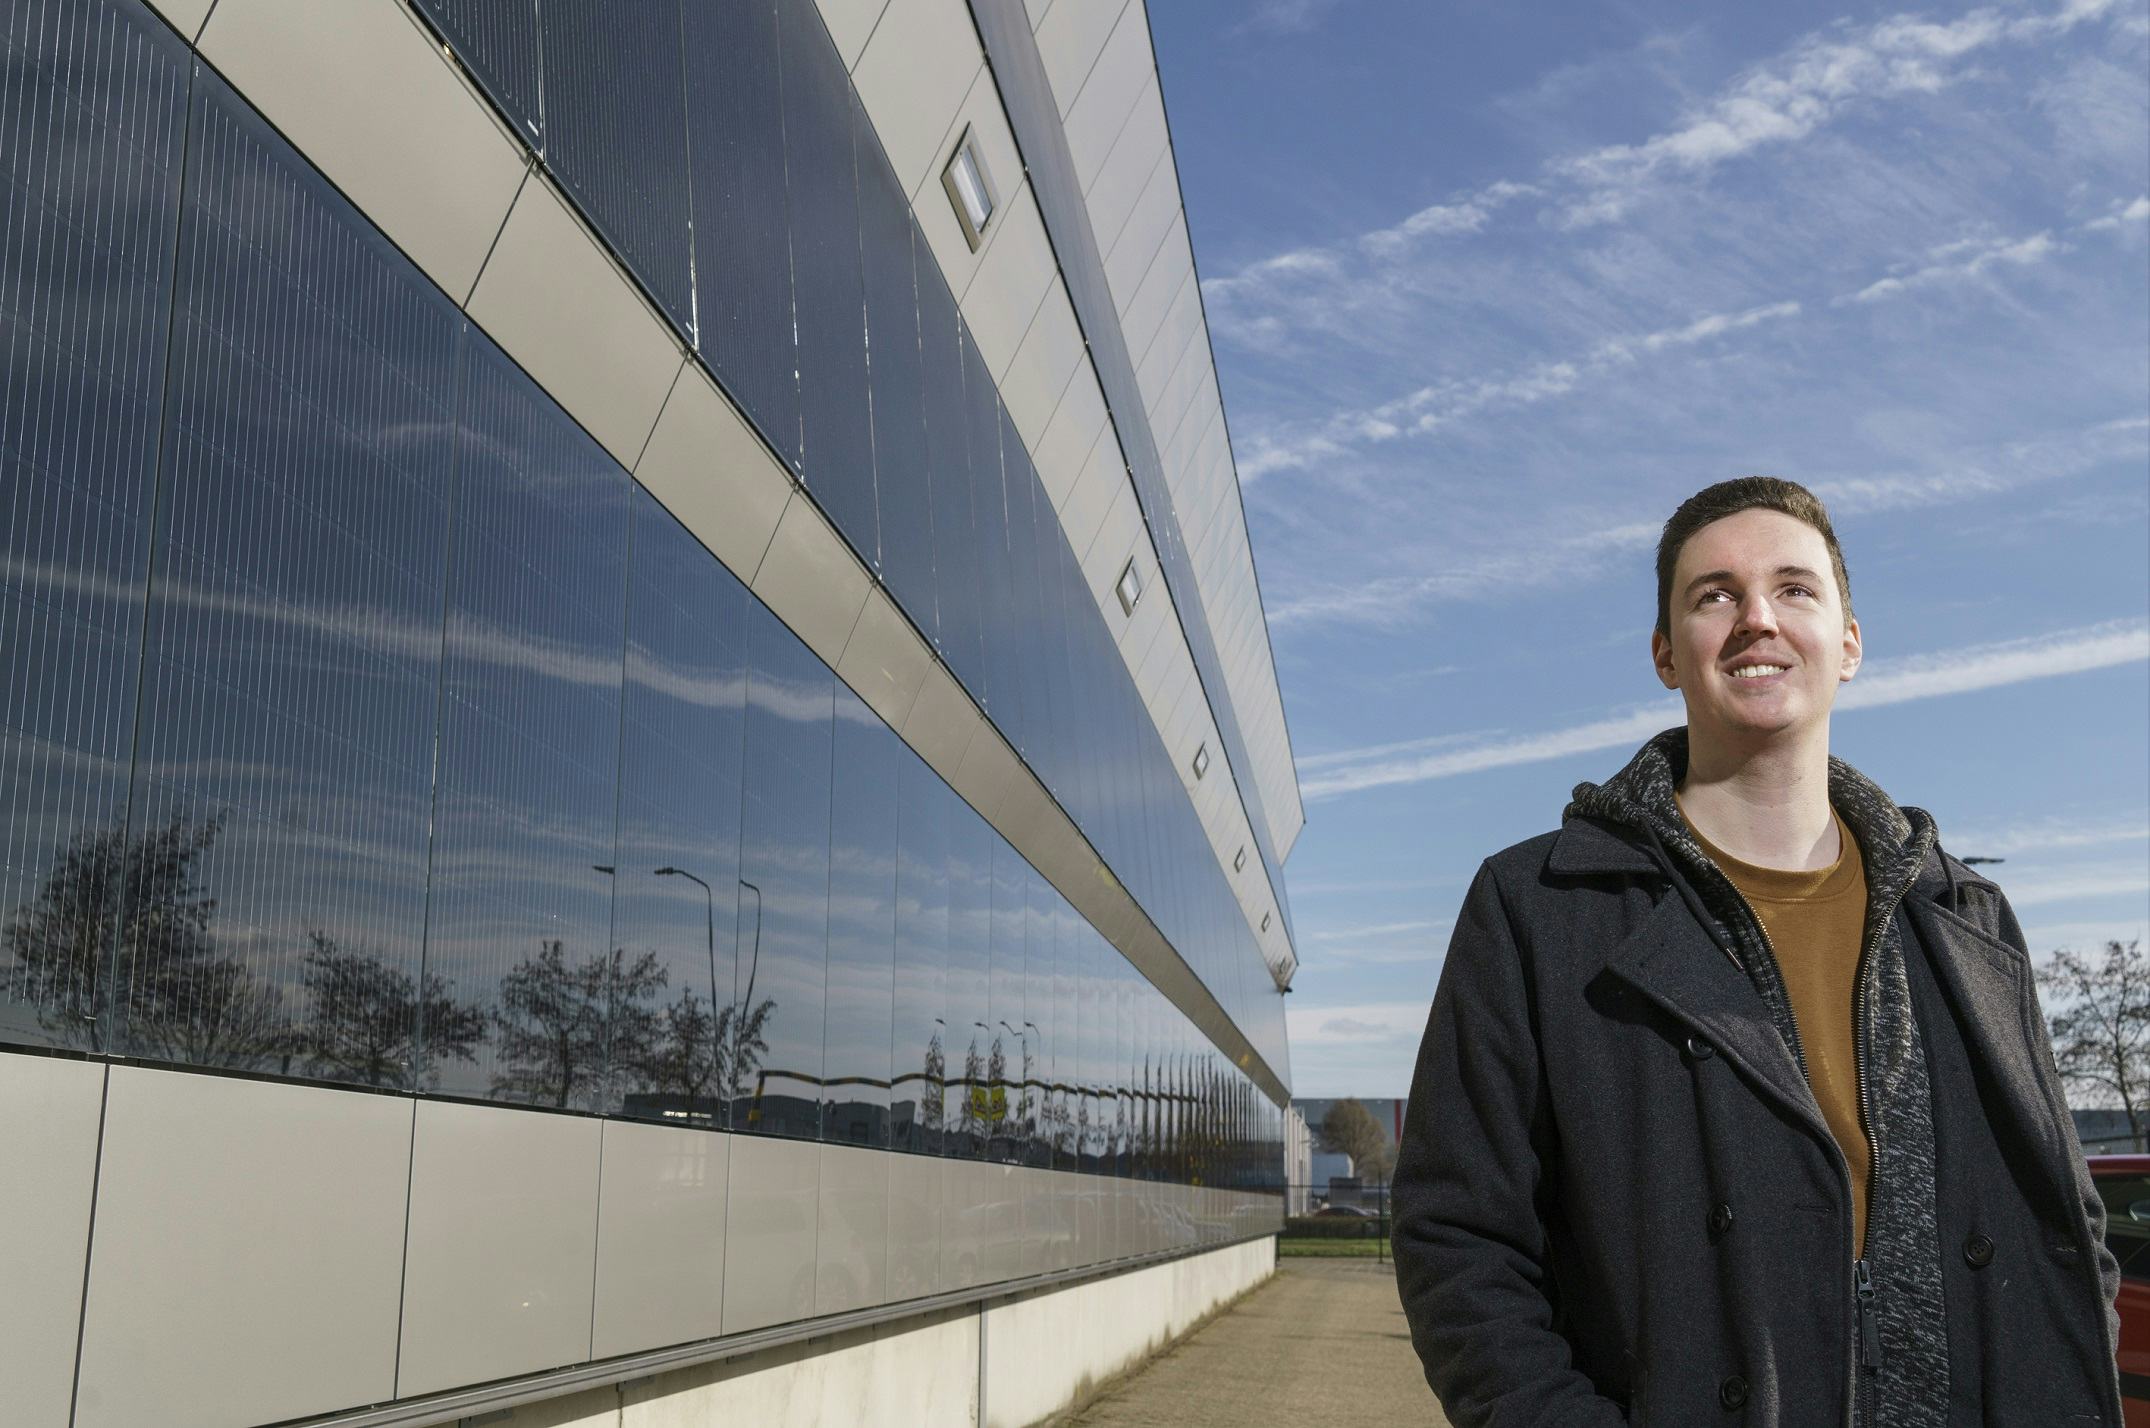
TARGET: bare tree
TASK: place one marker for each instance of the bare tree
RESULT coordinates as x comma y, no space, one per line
366,1014
2101,1034
1350,1129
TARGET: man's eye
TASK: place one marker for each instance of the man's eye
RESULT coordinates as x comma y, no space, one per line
1708,593
1801,589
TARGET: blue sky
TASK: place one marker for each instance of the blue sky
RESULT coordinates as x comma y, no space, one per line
1493,287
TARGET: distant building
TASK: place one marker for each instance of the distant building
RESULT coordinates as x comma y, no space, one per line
1326,1166
2105,1132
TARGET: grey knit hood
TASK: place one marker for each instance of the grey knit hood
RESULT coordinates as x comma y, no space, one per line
1902,1242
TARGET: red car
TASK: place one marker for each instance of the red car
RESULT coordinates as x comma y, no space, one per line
2124,1185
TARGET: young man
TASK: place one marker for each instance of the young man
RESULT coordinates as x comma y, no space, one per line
1736,1103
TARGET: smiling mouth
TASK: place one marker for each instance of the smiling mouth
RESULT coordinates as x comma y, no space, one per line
1758,671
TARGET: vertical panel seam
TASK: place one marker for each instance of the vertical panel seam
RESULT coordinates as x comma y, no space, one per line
89,1239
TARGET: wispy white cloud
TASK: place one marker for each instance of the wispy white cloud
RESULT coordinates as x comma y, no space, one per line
1436,405
2080,883
2125,213
1793,95
2051,834
1286,17
1963,261
1378,929
1467,214
1879,683
1356,1022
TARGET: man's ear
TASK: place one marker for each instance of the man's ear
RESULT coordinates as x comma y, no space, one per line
1853,651
1661,657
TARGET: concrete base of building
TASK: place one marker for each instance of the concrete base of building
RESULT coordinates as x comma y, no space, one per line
1003,1363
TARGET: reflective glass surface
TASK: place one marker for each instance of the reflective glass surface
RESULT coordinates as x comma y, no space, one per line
671,1045
520,927
947,421
378,729
283,774
829,291
497,41
85,303
742,214
970,968
918,1094
902,493
862,925
784,882
617,139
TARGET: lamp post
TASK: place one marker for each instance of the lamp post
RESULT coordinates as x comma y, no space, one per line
709,907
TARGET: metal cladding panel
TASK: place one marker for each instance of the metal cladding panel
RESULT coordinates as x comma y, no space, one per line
660,1237
53,1104
501,1251
247,1253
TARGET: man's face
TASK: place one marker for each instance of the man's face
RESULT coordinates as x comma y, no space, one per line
1753,592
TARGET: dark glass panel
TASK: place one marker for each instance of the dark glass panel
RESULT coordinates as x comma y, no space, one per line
92,121
862,925
1067,1036
903,499
676,918
520,921
830,292
284,769
1026,617
1090,1012
918,1102
742,224
989,545
1038,1027
1004,1016
970,969
784,881
497,41
947,414
616,133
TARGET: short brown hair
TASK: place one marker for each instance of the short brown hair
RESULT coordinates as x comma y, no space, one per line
1729,498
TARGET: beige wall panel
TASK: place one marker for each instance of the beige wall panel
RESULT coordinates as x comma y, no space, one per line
365,94
981,113
1182,329
248,1251
660,1237
811,579
988,768
554,300
1071,435
1093,122
1036,9
914,1226
1069,43
850,24
1011,282
502,1245
885,660
1102,481
851,1244
53,1104
1171,271
1143,235
1128,168
713,473
942,722
1043,366
912,78
770,1230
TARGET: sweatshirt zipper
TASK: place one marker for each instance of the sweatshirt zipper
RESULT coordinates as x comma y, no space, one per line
1864,1296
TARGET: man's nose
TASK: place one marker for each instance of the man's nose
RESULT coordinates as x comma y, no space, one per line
1757,616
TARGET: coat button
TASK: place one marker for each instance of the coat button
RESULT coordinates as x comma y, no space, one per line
1720,1218
1732,1393
1978,1251
1699,1049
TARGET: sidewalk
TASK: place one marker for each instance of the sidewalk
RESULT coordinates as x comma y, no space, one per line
1323,1342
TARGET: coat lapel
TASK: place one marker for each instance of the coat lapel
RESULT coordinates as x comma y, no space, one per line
1983,979
1673,962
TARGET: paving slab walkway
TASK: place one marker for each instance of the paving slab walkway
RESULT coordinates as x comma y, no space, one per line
1324,1342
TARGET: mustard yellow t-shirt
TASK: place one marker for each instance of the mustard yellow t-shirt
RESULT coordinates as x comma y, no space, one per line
1815,922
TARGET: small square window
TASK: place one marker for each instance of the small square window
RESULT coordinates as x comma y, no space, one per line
1201,761
1128,587
1265,922
1239,859
970,189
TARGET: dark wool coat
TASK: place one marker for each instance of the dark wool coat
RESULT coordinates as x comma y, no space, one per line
1617,1200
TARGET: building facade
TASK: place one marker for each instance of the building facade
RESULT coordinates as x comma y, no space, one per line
640,767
